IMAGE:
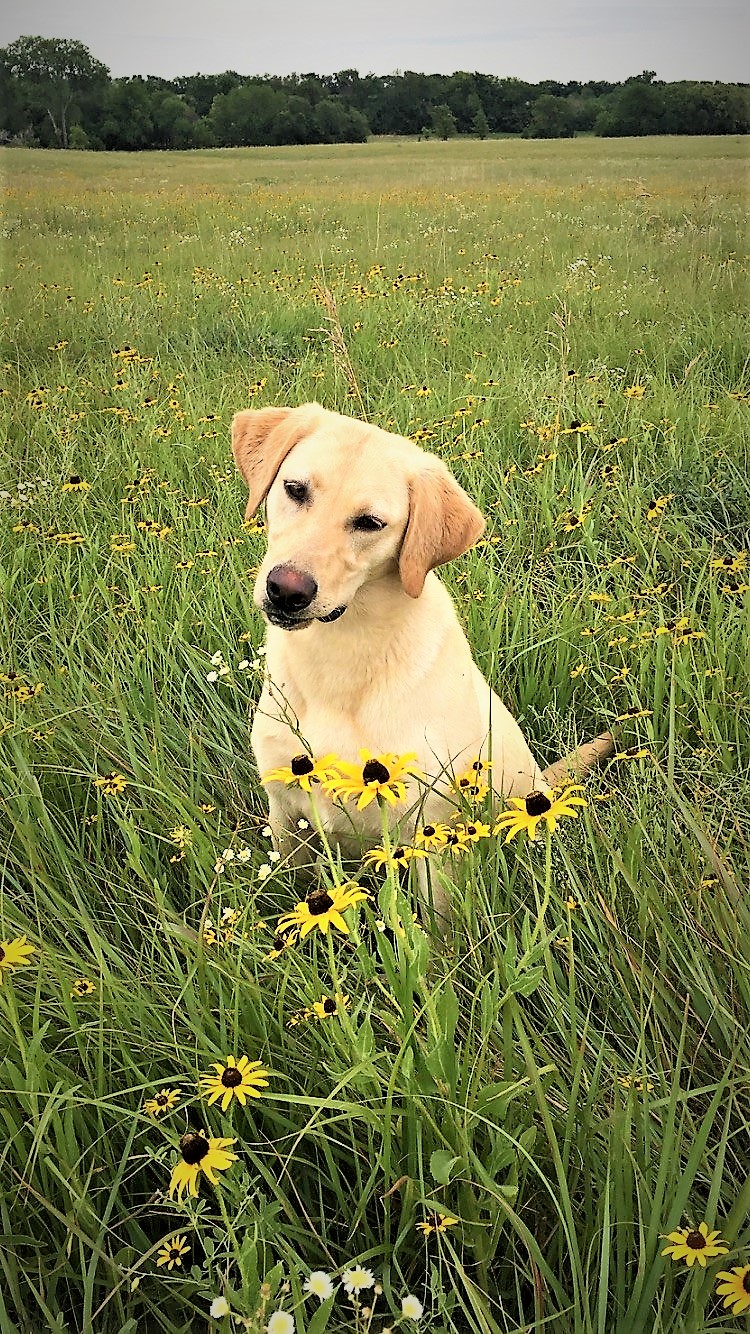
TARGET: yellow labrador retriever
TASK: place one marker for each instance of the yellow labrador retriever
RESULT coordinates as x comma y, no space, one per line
364,647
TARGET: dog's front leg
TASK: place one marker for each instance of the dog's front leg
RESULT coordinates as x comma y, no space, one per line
294,838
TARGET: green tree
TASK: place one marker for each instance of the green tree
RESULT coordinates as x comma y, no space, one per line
480,126
52,72
127,121
442,121
551,118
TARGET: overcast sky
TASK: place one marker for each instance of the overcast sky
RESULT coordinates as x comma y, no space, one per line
531,39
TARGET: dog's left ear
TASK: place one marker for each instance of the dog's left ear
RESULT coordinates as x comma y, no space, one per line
443,523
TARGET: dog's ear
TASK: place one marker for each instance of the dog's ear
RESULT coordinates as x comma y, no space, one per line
443,523
261,440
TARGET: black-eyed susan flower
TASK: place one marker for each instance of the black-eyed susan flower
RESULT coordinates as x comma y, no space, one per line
282,941
111,784
330,1005
657,506
472,785
181,836
730,564
374,776
238,1079
163,1101
474,831
734,1287
322,909
172,1252
432,836
694,1245
456,843
75,483
538,807
389,858
83,986
635,391
302,771
14,954
199,1154
436,1222
637,1083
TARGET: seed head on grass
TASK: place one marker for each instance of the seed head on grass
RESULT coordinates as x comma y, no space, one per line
694,1245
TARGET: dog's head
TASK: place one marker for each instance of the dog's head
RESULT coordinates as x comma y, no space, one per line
346,504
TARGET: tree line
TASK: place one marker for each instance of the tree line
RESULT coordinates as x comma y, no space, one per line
55,94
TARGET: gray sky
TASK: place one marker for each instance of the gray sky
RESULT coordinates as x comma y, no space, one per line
531,39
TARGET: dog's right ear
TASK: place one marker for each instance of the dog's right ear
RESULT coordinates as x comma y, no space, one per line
261,440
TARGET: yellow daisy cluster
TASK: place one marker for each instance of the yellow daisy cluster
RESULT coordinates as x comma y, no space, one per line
375,776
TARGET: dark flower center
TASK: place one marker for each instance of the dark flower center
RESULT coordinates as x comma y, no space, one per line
161,1099
574,424
452,840
428,830
375,772
746,1282
471,829
477,766
695,1240
2,953
329,1005
74,479
194,1148
174,1253
301,764
231,1077
537,803
318,902
398,853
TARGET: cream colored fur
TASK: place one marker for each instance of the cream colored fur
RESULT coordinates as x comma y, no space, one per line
394,672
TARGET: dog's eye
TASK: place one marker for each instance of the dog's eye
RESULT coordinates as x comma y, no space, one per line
297,491
367,523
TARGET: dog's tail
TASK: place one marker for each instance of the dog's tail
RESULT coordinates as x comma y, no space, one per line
580,761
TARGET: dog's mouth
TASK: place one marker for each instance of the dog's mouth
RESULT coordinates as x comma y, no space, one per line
283,622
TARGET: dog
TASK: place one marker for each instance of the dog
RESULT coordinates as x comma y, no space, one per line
364,649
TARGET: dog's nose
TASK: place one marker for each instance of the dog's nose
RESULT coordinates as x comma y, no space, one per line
289,590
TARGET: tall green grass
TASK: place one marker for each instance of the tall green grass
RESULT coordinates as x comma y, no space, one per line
567,1076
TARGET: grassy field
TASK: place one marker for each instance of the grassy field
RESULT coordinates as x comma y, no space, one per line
567,1080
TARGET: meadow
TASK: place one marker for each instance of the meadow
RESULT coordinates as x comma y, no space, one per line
496,1133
